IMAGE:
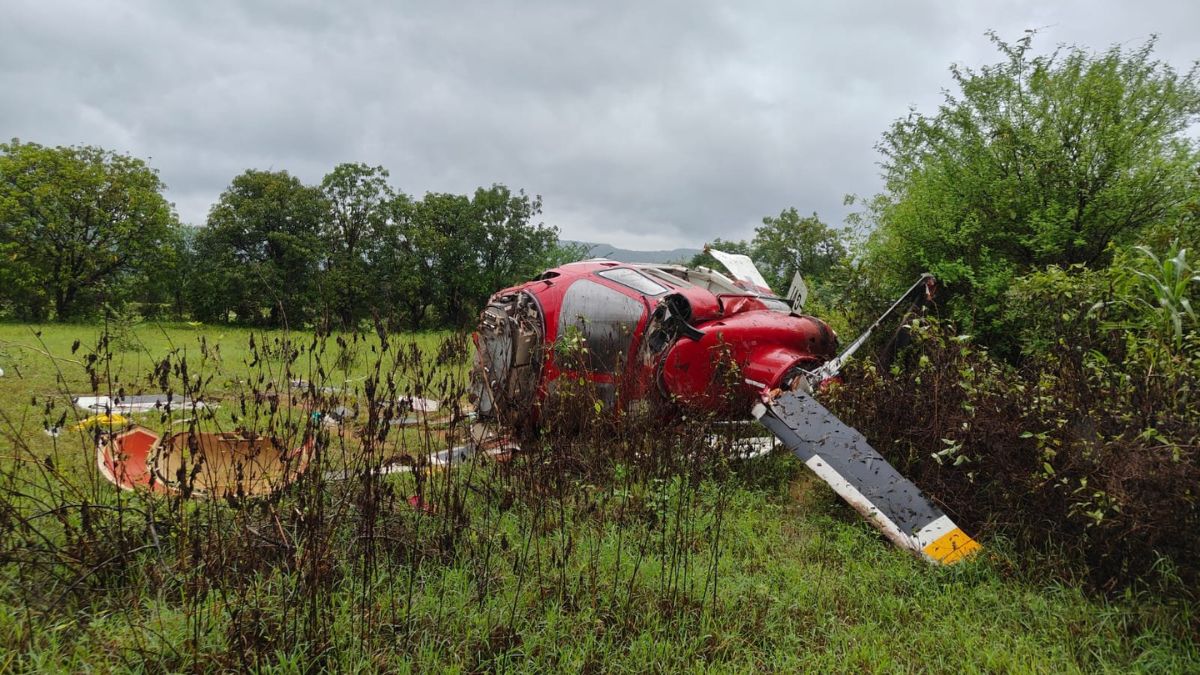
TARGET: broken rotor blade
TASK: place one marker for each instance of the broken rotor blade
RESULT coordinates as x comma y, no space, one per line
842,457
833,367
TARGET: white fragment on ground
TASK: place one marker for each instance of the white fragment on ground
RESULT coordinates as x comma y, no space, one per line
418,404
452,456
134,404
745,448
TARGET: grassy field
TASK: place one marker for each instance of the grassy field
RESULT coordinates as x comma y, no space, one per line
619,551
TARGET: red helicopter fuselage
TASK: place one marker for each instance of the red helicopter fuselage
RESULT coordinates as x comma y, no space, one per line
694,337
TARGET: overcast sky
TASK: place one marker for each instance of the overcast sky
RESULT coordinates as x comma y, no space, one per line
642,124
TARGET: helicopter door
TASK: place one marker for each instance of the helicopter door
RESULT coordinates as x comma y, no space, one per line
596,328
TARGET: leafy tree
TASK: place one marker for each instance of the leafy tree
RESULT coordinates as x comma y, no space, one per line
187,270
406,263
157,289
1035,161
453,251
443,237
788,244
512,248
77,222
260,254
1185,231
355,232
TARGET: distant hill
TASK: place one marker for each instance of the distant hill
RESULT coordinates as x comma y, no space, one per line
675,255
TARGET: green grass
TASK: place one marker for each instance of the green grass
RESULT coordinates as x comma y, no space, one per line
757,569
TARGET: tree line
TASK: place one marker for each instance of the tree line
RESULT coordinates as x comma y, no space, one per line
88,231
1060,160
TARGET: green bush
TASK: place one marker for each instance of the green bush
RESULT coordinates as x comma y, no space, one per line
1037,160
1088,451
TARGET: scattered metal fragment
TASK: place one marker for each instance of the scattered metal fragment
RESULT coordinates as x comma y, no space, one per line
418,404
409,420
341,413
100,421
136,404
746,448
483,441
200,464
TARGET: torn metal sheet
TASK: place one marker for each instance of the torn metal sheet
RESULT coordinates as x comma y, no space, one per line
124,458
741,267
483,441
200,464
136,404
841,456
411,420
442,459
418,404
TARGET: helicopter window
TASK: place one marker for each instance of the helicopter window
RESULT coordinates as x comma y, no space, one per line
605,319
630,278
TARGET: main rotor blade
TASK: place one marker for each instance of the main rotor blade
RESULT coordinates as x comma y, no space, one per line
834,366
842,457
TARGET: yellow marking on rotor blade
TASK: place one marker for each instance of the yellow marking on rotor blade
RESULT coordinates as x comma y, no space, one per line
951,547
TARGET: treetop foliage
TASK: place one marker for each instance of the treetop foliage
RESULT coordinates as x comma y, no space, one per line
78,223
1036,160
87,230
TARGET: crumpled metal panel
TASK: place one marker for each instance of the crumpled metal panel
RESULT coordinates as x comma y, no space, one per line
741,267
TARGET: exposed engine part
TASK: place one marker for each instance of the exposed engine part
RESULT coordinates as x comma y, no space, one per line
509,344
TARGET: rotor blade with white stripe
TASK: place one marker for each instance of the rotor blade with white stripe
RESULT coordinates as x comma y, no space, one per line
842,457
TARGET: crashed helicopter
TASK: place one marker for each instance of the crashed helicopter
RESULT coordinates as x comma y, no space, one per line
657,333
654,335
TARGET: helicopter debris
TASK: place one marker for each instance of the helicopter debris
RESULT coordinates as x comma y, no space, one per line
136,404
100,421
200,463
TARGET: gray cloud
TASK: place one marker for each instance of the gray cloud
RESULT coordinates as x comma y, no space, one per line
641,124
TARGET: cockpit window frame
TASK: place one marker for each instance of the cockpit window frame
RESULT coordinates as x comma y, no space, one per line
611,275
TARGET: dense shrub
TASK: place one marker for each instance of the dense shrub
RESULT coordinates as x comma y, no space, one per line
1059,158
1088,450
